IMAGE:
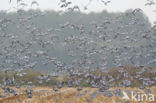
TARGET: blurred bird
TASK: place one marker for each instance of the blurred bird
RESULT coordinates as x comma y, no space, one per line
105,2
34,3
150,3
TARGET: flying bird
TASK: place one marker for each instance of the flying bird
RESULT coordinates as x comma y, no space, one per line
105,2
23,4
66,4
154,27
74,8
136,10
150,3
34,3
85,7
62,1
19,1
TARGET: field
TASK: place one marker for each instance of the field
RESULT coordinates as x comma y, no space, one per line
69,95
44,93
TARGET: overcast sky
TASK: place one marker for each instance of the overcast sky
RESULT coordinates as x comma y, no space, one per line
95,6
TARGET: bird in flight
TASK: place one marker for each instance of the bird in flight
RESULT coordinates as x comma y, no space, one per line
34,3
76,7
105,2
136,10
150,2
66,4
16,1
85,7
23,4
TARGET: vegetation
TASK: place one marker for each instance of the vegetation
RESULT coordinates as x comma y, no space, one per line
70,95
32,76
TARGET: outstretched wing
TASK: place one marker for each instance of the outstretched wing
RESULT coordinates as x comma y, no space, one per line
34,3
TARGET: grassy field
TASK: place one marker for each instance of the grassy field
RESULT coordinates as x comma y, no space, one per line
43,93
31,76
69,95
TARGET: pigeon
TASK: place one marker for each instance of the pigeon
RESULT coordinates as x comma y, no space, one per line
105,2
55,88
149,3
34,3
79,88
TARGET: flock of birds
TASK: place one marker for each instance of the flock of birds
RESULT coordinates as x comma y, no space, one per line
98,80
66,4
22,3
101,47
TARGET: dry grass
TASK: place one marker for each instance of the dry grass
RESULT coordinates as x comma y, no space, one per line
31,76
44,94
66,95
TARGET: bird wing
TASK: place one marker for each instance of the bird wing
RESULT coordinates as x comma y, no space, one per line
34,2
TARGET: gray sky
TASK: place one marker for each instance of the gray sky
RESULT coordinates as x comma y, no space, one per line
95,6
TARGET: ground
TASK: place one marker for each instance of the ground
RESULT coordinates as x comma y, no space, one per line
68,95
